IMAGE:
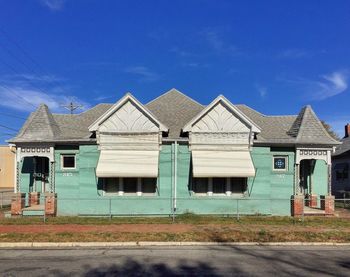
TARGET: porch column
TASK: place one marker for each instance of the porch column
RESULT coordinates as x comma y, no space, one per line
329,187
52,177
34,188
296,179
311,176
18,180
18,198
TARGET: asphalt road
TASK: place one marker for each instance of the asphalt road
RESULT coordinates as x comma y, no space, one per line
178,261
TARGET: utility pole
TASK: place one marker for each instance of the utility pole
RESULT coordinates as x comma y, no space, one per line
72,107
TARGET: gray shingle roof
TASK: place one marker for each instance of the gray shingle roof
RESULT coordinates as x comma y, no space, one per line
311,129
305,128
343,148
175,110
40,126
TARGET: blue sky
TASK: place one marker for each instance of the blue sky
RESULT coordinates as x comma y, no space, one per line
275,56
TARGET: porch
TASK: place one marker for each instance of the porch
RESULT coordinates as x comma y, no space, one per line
312,197
35,182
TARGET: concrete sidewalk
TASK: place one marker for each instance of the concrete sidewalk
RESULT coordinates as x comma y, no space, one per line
155,243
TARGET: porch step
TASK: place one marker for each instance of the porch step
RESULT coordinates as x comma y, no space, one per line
36,210
313,211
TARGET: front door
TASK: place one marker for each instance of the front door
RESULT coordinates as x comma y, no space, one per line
304,176
41,174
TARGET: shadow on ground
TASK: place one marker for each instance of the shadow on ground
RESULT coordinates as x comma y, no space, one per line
132,267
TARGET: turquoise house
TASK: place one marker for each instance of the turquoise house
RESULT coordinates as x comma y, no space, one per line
171,156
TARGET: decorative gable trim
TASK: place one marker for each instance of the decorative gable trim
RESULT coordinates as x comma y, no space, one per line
220,122
133,118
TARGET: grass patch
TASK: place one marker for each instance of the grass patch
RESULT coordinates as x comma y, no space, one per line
236,236
327,222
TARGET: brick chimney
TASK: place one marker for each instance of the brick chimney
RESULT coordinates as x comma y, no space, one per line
347,130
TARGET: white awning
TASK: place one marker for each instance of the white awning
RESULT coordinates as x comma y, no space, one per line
222,164
127,163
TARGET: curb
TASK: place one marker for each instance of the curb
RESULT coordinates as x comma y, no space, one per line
4,245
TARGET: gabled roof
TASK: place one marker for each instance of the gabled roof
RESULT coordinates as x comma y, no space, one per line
175,109
128,97
230,106
40,126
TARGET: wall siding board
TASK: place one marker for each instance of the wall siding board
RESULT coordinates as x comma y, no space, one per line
80,194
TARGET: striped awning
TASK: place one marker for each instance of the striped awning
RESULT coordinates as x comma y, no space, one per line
128,163
222,163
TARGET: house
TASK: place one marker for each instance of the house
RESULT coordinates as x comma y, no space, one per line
172,155
7,165
340,163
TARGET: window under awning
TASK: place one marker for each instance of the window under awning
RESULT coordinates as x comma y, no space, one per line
222,163
128,163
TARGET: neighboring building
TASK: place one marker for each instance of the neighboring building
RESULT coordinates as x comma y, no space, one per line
7,165
173,155
341,163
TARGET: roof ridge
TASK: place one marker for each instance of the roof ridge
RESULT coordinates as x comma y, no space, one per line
250,108
266,115
174,90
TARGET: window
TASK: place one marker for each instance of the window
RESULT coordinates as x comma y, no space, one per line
112,185
68,161
238,185
280,163
200,185
149,185
130,186
219,186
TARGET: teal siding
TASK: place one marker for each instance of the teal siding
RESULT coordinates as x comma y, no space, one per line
67,183
320,178
79,191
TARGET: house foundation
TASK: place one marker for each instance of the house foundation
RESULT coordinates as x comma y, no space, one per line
17,203
297,205
50,204
327,204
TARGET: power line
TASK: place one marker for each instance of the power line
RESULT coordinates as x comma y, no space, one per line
15,93
26,53
9,128
26,77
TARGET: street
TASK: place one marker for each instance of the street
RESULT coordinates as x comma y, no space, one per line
175,261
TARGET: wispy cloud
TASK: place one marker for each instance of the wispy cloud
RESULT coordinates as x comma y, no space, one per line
330,85
31,77
95,64
143,73
181,52
216,41
16,93
293,53
261,90
326,86
53,5
102,98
